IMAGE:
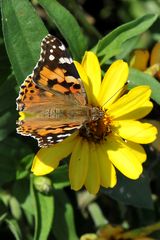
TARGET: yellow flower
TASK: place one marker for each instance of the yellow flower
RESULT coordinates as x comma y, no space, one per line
147,62
111,141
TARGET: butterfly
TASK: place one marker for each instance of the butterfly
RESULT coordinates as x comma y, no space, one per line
52,100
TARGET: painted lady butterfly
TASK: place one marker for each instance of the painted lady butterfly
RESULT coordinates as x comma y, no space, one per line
52,99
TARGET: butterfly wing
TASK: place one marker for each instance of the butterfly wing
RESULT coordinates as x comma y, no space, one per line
56,72
42,114
52,101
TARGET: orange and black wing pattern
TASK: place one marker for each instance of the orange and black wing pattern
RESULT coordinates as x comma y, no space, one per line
48,96
55,70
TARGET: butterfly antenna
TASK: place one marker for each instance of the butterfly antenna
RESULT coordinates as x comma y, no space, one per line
116,93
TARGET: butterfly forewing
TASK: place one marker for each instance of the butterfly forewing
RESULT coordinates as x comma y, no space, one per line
52,99
55,70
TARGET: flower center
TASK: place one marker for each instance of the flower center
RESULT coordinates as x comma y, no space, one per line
97,130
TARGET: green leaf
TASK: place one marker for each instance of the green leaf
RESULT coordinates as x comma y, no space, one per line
23,169
23,31
127,47
44,212
3,211
137,77
11,151
111,44
64,218
14,228
67,25
5,67
60,177
132,192
15,208
24,197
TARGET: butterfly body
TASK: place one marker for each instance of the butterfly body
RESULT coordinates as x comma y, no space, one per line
52,99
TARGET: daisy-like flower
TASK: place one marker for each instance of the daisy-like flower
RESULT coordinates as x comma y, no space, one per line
113,141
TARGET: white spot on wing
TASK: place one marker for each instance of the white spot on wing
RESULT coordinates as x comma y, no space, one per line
59,140
65,60
51,50
49,137
63,135
62,47
70,59
51,57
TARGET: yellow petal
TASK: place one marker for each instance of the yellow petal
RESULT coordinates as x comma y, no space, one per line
78,165
47,159
136,131
113,83
122,157
133,105
22,116
86,82
137,150
92,68
107,171
140,59
155,54
92,182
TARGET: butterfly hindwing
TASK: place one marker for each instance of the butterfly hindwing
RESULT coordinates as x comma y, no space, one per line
36,106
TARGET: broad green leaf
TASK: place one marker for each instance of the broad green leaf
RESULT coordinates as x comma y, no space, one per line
67,25
111,44
23,31
127,47
14,228
126,188
60,177
64,217
43,212
137,77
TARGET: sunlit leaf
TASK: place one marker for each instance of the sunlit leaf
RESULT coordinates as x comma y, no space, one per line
14,228
43,212
23,31
137,77
67,25
111,44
